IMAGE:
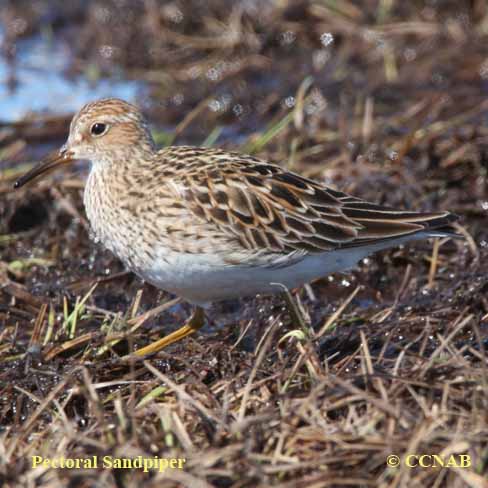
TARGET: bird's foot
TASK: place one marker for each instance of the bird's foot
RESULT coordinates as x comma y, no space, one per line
195,322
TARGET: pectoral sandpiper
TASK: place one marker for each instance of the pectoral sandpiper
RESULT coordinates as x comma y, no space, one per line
208,224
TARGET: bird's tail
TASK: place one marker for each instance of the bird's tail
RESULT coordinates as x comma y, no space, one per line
383,224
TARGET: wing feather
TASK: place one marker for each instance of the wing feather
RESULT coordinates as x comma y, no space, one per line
267,208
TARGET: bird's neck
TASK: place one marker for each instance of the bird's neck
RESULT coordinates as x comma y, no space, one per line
105,199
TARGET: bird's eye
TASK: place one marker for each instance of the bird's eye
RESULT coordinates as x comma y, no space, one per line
97,129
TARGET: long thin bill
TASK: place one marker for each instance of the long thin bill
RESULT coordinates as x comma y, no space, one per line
44,167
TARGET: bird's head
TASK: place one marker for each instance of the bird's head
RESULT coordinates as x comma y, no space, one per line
103,132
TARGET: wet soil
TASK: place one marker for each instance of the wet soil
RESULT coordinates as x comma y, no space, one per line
389,103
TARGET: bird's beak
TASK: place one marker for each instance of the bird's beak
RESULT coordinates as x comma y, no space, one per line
53,161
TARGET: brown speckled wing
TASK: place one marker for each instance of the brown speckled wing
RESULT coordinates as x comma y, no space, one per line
268,208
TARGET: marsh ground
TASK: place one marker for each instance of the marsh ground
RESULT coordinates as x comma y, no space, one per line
383,99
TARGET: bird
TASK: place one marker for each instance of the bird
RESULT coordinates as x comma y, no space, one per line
208,224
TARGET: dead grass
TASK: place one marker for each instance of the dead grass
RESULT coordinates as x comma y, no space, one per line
389,359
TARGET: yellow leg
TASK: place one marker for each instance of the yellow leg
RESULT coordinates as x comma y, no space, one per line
195,322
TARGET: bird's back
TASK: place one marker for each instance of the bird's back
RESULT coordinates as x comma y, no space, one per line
268,208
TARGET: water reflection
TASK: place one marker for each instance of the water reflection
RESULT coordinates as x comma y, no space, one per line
36,81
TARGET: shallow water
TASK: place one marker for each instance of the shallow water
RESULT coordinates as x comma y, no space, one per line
36,81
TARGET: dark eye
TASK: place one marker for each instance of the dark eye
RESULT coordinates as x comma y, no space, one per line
97,129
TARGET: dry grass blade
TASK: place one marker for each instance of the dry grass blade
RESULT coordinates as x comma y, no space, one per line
330,321
183,395
384,100
66,346
30,423
263,350
433,263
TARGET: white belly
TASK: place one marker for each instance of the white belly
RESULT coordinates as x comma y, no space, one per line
204,279
201,279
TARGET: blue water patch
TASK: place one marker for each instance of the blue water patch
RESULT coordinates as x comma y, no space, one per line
40,84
